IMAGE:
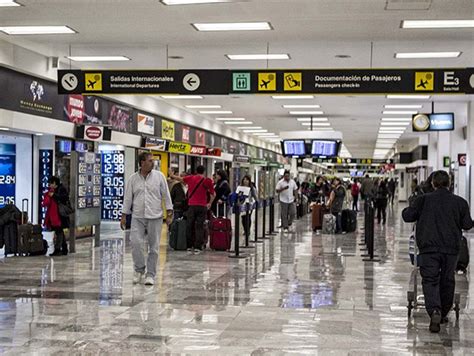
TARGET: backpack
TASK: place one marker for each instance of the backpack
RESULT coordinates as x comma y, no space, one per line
355,189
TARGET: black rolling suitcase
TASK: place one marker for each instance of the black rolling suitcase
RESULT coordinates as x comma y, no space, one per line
349,220
30,237
463,260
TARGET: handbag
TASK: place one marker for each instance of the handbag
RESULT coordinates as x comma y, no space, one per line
186,201
65,209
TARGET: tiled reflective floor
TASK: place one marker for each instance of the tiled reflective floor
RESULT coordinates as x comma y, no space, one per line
300,293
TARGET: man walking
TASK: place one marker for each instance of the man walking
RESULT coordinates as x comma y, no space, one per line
199,189
441,216
367,188
287,189
145,193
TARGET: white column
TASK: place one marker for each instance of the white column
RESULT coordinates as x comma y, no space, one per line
470,153
433,151
444,149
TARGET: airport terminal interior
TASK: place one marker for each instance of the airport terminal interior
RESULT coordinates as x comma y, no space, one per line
259,153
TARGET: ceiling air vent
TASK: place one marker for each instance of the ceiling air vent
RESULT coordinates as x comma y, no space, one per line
408,4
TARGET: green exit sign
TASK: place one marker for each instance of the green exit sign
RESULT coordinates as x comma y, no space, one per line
446,162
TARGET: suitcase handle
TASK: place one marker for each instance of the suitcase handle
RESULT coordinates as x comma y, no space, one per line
24,203
225,209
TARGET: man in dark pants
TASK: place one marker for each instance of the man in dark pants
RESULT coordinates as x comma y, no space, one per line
441,216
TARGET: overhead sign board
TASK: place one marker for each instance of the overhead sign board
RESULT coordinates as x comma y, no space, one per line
179,147
433,122
268,81
154,143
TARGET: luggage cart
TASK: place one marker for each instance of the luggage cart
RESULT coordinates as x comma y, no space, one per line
416,301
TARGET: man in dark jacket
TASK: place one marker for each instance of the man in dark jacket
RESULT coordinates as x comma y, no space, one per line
441,216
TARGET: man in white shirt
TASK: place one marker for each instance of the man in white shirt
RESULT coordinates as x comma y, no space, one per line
287,188
145,193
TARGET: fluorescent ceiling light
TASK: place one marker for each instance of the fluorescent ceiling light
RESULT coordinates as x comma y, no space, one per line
316,124
403,106
233,26
38,134
315,119
255,57
98,58
249,127
254,131
301,106
396,119
292,97
384,145
230,119
267,134
192,2
306,112
4,129
408,97
386,141
389,136
437,23
395,124
418,55
6,3
238,122
399,112
182,97
203,106
387,129
216,112
37,30
392,132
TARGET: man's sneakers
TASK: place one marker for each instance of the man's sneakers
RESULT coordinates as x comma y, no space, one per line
435,321
149,281
137,277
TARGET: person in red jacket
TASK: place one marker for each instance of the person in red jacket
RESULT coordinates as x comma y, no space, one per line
56,195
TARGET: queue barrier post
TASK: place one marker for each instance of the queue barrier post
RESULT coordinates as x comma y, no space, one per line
237,253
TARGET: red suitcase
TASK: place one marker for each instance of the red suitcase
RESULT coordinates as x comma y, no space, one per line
220,230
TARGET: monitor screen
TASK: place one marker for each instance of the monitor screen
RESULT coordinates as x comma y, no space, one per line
65,146
324,148
294,148
442,122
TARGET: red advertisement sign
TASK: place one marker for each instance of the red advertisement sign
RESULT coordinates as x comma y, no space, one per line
217,152
200,137
198,150
75,108
186,133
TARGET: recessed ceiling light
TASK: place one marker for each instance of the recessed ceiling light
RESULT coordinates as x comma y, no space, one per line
399,112
231,118
315,119
396,119
192,2
316,124
7,3
301,106
254,57
238,122
408,97
98,58
203,106
437,23
37,30
403,106
182,97
254,131
306,112
412,55
216,112
39,134
233,26
249,127
292,97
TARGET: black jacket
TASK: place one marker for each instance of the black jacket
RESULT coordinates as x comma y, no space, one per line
222,193
441,216
178,197
61,196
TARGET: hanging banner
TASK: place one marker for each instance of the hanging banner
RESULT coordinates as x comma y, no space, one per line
45,172
186,133
167,130
200,138
269,81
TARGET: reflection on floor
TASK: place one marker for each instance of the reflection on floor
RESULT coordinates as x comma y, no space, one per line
299,293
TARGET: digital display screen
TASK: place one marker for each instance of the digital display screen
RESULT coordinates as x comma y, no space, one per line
65,146
324,148
113,184
88,184
441,122
7,174
294,148
81,147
